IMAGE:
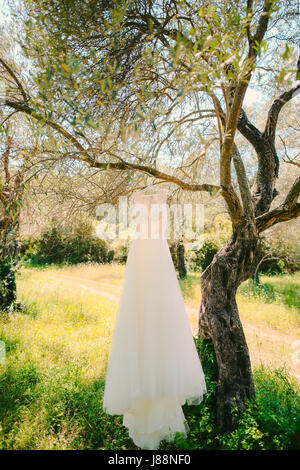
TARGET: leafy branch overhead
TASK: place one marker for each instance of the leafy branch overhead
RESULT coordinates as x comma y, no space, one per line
147,82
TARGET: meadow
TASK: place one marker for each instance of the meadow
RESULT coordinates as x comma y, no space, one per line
57,345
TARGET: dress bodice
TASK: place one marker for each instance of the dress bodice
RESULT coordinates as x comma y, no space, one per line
149,219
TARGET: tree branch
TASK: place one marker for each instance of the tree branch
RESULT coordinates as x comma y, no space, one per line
293,194
15,78
243,183
270,129
31,112
249,131
123,166
230,196
267,220
290,209
240,90
262,26
238,93
86,157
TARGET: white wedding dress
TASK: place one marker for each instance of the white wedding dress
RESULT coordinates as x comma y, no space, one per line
153,366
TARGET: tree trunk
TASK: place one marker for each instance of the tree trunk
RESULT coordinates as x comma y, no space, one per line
7,284
258,255
8,260
219,322
181,261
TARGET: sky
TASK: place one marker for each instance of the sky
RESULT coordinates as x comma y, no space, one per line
3,10
252,96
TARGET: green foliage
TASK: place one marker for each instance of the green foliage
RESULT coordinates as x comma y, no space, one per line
121,253
279,255
110,256
190,286
277,288
247,436
7,283
278,404
264,290
60,406
173,251
202,418
56,403
185,261
60,244
204,256
274,421
290,294
271,423
27,308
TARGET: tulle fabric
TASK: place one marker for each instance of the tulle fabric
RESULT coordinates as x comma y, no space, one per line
153,366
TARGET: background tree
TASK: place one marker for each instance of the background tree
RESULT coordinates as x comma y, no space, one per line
18,165
143,86
10,199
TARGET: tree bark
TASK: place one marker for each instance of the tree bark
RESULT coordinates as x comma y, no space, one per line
8,260
181,261
258,255
219,322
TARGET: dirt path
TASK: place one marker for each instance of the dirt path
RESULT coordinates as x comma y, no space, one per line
103,290
267,345
98,288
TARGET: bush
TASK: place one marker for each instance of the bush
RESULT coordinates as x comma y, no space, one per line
278,289
110,256
60,244
121,253
279,256
7,283
278,404
173,252
204,256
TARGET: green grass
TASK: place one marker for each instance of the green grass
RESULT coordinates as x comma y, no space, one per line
191,288
51,385
57,344
272,422
284,289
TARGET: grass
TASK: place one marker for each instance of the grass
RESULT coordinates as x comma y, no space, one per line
270,315
283,288
57,348
57,344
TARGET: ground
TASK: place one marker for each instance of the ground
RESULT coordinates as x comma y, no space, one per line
272,328
57,346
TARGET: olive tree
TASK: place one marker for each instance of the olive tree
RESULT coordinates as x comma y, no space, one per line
156,87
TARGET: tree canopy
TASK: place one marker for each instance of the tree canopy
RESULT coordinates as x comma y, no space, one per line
156,88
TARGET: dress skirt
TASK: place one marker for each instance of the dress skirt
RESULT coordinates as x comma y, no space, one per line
153,366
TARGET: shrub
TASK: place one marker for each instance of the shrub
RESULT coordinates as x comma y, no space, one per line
278,256
61,244
7,283
204,256
278,405
110,256
121,253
